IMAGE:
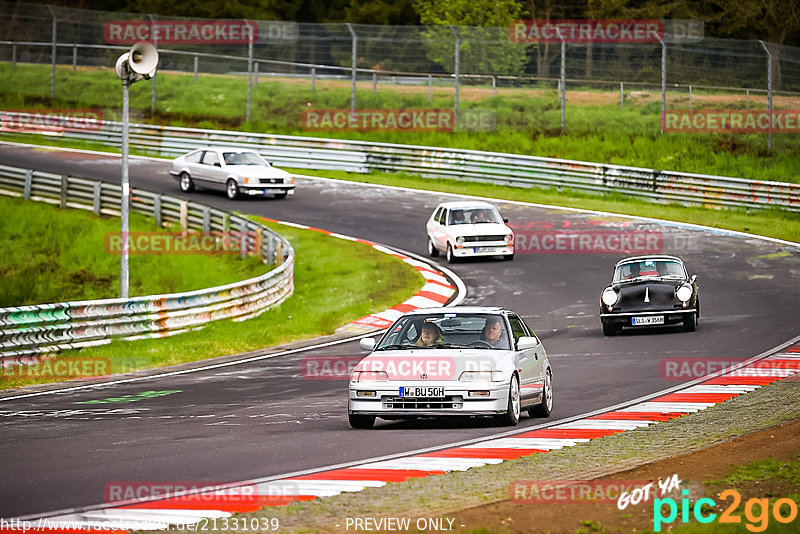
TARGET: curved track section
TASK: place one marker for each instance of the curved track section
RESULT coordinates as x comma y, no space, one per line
263,419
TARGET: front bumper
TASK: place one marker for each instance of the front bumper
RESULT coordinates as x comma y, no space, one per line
458,400
671,317
266,189
489,249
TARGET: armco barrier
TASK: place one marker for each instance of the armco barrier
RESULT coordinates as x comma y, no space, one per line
27,331
491,167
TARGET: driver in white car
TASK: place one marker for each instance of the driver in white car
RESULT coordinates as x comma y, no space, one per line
493,333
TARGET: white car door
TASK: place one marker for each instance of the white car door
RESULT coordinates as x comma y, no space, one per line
436,230
529,360
214,170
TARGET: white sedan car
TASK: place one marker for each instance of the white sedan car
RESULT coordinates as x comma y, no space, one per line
471,228
237,171
452,362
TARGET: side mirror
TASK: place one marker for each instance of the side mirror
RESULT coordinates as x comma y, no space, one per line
367,343
692,279
527,342
217,164
505,220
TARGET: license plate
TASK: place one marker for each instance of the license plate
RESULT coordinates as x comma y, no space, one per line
272,191
647,320
484,249
422,392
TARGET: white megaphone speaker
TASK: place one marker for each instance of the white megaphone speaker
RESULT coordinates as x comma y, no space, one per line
140,62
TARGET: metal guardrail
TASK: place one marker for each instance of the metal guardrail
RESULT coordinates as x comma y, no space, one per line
491,167
27,331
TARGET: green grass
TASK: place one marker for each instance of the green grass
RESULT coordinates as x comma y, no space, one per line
528,122
336,281
55,255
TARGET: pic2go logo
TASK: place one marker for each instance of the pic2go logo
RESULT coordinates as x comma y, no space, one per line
783,510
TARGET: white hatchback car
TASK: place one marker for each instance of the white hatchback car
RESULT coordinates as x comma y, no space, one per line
237,171
469,228
463,361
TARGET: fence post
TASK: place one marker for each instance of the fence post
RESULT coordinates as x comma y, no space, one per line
26,191
769,92
157,214
562,81
255,74
184,216
663,83
249,78
206,220
374,83
748,98
196,60
53,52
243,239
354,48
64,188
259,242
97,198
430,88
621,94
14,55
456,69
75,58
313,78
494,86
271,249
690,98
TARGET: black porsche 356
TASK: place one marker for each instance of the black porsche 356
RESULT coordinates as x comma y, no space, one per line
650,291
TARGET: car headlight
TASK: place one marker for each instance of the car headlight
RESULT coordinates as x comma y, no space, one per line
368,376
460,240
684,293
510,238
610,296
481,376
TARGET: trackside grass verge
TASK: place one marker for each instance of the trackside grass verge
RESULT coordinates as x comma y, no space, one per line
446,496
526,121
56,255
336,281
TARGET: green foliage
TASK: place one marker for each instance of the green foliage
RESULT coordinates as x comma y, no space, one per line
54,255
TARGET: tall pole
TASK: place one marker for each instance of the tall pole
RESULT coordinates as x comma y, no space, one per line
769,92
125,202
353,67
154,86
663,84
53,52
249,78
457,68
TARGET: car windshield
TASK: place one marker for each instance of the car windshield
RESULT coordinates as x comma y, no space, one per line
476,215
648,269
447,330
241,158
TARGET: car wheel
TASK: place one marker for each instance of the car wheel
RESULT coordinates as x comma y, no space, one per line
508,257
361,421
690,322
451,258
281,195
511,417
432,250
610,329
186,183
232,189
546,407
